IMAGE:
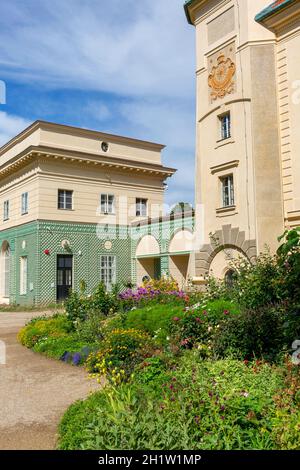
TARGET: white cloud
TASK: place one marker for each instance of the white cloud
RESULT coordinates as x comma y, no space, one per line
10,126
123,46
139,51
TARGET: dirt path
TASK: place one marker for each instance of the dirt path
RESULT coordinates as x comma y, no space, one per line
34,391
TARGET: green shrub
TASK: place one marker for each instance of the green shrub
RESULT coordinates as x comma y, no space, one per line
56,347
91,329
153,319
120,351
77,306
40,329
255,333
223,405
104,302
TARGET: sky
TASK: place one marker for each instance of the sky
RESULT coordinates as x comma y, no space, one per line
125,67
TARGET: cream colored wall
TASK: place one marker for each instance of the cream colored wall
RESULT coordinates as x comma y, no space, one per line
254,143
288,79
87,185
12,190
179,269
92,144
144,267
225,260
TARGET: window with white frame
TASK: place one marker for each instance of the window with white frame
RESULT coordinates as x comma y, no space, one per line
23,275
141,207
108,271
24,203
227,191
225,121
6,210
65,199
107,204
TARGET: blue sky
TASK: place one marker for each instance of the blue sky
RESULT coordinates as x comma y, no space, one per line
119,66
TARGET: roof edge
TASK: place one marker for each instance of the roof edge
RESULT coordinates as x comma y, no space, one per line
39,124
273,9
186,6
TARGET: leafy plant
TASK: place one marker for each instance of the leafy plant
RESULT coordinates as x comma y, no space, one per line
40,329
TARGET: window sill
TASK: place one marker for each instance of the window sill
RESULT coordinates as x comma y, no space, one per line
61,209
223,211
107,213
24,213
222,142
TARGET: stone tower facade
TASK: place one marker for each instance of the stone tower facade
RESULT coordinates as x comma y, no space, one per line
245,180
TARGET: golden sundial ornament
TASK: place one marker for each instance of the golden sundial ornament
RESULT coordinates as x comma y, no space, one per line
220,79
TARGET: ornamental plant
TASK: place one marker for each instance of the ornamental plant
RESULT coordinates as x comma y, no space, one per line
121,351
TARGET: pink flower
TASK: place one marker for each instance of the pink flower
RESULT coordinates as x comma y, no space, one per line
176,319
226,312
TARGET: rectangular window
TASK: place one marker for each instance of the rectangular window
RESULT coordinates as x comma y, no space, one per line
225,126
6,210
108,271
23,275
65,199
227,191
107,204
141,207
24,203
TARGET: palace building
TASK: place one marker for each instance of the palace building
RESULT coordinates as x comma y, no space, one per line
248,115
83,205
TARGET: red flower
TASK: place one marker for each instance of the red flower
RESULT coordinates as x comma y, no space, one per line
47,252
246,362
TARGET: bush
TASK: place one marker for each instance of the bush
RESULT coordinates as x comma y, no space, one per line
90,330
252,334
120,351
77,306
40,329
58,347
223,405
154,319
104,302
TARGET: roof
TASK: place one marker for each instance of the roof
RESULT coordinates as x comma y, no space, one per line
272,9
186,6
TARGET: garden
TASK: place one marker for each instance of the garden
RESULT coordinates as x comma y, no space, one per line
185,370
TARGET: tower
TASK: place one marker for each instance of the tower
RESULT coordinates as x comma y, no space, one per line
240,179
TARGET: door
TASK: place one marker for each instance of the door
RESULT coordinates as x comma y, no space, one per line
64,276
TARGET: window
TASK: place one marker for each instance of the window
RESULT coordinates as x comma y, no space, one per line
65,199
24,203
108,271
6,210
227,191
107,203
225,126
141,207
23,275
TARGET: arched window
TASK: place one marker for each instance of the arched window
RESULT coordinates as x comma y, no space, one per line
230,278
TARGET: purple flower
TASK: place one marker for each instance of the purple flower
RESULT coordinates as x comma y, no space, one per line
66,356
76,359
176,319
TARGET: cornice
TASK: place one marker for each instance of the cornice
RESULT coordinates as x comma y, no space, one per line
50,153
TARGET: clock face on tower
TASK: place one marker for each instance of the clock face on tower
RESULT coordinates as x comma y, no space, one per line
221,78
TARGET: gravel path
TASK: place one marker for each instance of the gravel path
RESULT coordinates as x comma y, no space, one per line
34,391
